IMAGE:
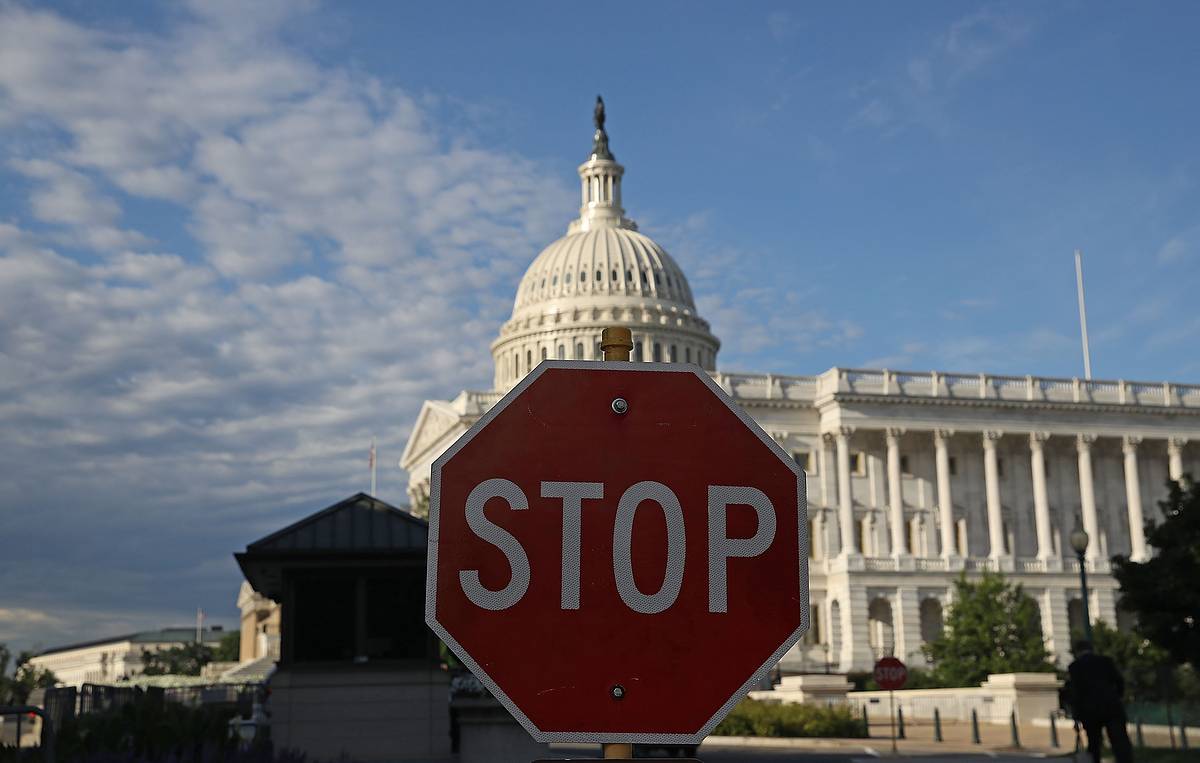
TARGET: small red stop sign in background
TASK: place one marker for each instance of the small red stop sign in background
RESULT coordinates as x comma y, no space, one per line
617,552
890,673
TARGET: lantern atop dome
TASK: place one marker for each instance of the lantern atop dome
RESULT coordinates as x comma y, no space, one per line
600,181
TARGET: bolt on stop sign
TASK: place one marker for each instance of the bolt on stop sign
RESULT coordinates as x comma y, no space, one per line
617,552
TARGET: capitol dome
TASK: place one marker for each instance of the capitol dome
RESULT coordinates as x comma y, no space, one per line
603,272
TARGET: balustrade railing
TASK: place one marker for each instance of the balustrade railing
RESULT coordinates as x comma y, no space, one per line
958,386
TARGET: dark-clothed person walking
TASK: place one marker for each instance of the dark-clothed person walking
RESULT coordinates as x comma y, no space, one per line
1096,691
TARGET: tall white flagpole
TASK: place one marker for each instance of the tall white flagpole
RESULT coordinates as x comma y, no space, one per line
1087,355
372,466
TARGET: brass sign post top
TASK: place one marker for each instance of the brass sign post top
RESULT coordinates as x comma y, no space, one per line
616,342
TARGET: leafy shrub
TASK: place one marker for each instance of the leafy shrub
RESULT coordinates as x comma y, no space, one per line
148,728
752,717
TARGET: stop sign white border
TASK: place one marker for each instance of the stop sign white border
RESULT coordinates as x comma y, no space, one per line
481,674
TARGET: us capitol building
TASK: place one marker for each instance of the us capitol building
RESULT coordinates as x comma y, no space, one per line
913,477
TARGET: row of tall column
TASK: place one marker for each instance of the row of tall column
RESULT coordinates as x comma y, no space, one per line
995,521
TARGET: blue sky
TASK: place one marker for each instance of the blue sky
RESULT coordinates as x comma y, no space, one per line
237,241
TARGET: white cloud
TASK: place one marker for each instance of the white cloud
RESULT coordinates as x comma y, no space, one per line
923,89
1179,247
348,258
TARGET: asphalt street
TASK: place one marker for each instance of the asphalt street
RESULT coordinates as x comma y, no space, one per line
867,753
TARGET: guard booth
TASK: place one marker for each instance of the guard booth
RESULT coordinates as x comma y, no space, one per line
359,675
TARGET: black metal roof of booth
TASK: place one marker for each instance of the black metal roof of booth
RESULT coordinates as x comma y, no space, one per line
360,528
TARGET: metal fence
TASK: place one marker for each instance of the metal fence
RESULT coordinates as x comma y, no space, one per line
67,702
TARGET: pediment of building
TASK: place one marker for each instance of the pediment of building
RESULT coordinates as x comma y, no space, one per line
435,423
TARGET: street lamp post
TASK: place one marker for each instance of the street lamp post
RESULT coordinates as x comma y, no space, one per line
1079,542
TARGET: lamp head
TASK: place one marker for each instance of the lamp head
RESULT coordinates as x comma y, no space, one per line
1079,540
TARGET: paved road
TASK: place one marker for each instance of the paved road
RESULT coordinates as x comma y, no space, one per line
767,755
849,754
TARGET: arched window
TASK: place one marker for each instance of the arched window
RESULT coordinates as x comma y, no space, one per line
880,633
528,361
657,352
931,620
687,354
637,351
599,275
583,276
614,275
599,352
1075,616
813,636
579,350
674,354
543,353
562,352
835,633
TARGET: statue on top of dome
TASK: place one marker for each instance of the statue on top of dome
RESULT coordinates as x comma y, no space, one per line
600,140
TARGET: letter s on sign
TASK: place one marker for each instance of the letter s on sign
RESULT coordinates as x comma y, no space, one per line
513,551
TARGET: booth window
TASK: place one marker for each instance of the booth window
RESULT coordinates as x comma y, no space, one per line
359,616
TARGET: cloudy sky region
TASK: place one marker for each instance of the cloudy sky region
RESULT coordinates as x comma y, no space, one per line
237,240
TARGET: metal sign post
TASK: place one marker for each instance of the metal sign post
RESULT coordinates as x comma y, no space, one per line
891,674
616,343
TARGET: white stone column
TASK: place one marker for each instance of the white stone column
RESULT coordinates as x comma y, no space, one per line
945,501
1087,495
845,503
856,642
1175,457
1133,500
906,625
895,492
1041,504
1055,623
825,469
991,478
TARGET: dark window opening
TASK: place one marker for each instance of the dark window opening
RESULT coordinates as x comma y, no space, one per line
359,617
323,620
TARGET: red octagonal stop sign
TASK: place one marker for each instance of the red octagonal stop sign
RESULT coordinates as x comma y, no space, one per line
617,552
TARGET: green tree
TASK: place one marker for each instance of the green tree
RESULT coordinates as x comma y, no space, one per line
183,660
230,648
15,689
1163,591
992,627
